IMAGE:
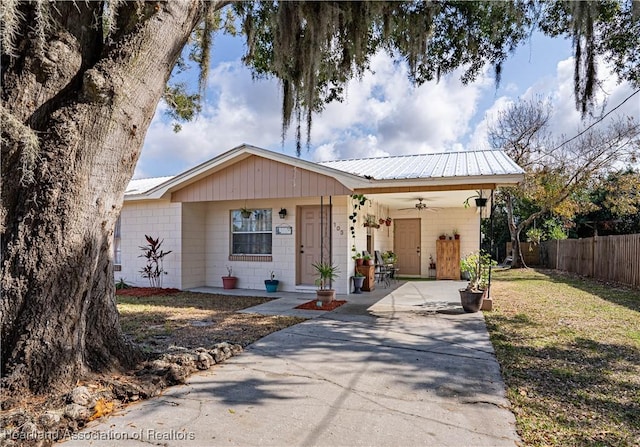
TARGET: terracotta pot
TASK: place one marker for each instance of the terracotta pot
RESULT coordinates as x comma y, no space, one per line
442,238
456,236
471,301
359,261
326,295
229,282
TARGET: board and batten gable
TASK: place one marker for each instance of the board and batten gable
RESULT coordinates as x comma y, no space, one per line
259,178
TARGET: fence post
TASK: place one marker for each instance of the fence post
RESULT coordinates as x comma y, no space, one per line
593,255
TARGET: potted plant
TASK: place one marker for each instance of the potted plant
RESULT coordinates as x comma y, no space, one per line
370,221
387,221
456,235
245,213
366,260
272,283
432,263
357,257
481,202
327,272
389,257
229,281
476,266
442,237
358,281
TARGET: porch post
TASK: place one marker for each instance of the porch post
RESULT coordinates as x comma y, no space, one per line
490,242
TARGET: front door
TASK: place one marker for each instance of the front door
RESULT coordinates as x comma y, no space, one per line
313,241
407,245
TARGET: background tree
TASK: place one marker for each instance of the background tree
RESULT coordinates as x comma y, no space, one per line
616,206
557,173
81,81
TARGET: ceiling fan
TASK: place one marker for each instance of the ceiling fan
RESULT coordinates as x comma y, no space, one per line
421,206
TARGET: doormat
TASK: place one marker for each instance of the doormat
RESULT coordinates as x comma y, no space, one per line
313,305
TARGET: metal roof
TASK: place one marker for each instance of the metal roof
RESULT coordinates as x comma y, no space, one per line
143,185
398,167
438,165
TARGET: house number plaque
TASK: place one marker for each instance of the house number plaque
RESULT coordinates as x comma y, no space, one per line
284,229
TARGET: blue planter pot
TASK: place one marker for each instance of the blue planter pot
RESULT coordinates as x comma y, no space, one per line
271,285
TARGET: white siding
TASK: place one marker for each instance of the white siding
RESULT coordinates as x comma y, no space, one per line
465,220
198,235
251,274
194,241
157,219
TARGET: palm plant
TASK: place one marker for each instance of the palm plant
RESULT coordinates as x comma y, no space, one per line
327,272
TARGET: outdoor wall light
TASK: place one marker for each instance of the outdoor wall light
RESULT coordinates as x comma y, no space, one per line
282,213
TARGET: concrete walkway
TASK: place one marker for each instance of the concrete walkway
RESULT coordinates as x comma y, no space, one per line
394,367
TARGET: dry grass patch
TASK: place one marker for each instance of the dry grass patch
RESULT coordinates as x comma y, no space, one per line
569,349
192,320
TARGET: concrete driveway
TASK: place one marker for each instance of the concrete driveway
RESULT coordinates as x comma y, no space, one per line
402,367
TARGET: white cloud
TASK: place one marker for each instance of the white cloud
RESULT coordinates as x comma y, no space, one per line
566,119
479,139
382,114
237,110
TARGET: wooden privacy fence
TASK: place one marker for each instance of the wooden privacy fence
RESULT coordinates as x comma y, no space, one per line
609,258
530,252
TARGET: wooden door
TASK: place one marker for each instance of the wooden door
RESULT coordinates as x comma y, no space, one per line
406,245
313,241
448,259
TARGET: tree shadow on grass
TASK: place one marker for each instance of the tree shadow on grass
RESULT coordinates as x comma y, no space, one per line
617,294
614,293
591,386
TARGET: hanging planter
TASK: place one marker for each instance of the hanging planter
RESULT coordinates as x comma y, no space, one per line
387,221
245,213
370,221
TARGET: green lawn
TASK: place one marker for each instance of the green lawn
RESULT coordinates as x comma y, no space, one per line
569,350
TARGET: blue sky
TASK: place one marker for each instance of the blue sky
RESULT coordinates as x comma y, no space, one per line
383,114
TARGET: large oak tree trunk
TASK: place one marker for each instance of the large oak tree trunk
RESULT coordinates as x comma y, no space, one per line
90,103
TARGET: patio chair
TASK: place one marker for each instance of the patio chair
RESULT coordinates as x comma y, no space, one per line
382,270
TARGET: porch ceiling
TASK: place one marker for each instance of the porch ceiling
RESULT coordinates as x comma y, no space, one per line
435,199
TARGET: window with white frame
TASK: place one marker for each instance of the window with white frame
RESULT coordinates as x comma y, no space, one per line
117,253
251,232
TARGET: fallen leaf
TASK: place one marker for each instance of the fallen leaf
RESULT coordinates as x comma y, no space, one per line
101,408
